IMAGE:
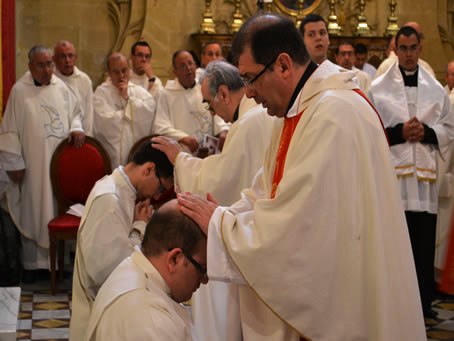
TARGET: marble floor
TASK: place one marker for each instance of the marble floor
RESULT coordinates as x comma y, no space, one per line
46,317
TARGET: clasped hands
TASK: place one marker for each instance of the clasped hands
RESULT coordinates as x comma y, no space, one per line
413,130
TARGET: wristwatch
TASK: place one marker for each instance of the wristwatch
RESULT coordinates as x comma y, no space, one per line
152,79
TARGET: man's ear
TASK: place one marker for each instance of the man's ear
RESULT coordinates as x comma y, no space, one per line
173,260
284,64
224,94
148,168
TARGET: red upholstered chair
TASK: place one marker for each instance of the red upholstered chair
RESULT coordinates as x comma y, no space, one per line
168,194
73,173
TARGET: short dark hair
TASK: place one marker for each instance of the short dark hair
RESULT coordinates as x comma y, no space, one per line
168,229
146,153
360,48
313,17
407,31
140,43
269,35
343,42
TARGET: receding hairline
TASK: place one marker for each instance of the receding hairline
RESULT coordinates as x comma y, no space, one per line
63,43
116,56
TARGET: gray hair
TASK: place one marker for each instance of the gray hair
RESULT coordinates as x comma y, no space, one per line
38,49
219,73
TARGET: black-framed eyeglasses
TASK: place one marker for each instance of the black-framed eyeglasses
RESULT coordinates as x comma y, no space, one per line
161,188
249,82
196,264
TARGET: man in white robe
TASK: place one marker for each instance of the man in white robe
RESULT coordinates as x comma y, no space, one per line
345,57
320,236
139,300
113,224
64,58
315,36
41,112
216,306
392,57
141,72
180,113
419,120
123,112
361,54
211,51
445,186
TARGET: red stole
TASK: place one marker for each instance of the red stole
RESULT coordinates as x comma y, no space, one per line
286,136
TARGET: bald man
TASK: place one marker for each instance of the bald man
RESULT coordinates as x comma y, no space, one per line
65,58
123,112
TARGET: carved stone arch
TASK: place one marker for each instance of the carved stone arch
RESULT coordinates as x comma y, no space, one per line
128,17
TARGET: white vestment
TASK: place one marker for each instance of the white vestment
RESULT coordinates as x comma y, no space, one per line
81,85
392,58
415,163
364,80
330,253
143,81
369,69
181,112
216,306
445,199
118,124
36,120
135,304
105,238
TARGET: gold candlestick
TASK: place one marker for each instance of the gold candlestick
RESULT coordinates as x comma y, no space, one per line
237,17
392,28
300,15
333,27
268,4
207,25
362,29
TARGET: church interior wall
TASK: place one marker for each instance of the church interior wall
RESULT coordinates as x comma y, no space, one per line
99,26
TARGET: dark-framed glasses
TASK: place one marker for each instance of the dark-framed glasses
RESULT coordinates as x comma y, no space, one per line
249,82
196,264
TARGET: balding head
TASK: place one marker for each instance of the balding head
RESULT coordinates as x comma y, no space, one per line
65,57
267,36
118,68
168,229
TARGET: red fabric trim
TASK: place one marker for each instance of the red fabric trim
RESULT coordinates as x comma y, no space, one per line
8,48
286,136
359,92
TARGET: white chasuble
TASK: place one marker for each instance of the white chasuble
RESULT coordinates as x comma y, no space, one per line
119,123
330,253
36,120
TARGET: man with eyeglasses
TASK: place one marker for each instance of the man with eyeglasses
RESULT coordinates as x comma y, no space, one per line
345,57
113,224
320,235
181,114
419,121
79,82
392,58
123,112
141,72
141,298
41,113
216,307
